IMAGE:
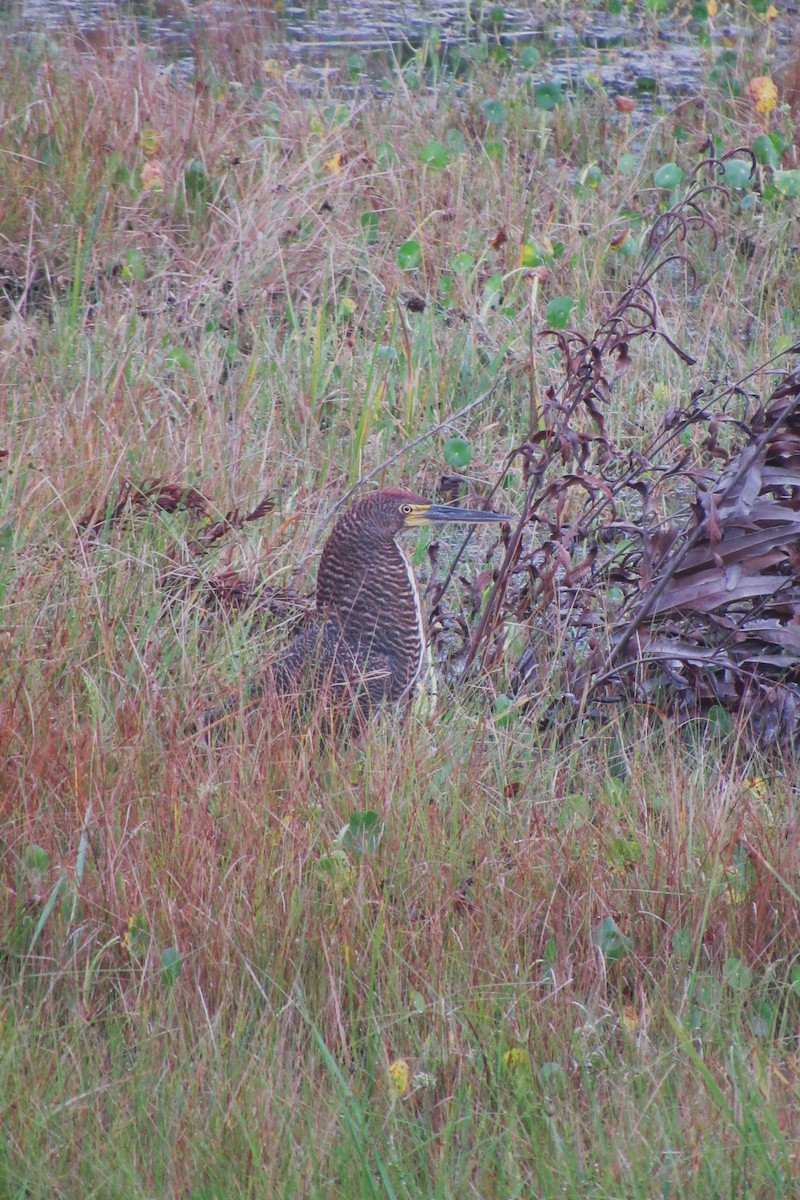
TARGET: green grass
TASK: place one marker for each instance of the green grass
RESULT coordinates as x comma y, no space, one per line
583,948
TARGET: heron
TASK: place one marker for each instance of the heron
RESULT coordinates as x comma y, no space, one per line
367,645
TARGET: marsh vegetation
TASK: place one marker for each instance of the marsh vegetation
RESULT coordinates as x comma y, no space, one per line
514,949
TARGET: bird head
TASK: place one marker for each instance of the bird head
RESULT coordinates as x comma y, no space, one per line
395,509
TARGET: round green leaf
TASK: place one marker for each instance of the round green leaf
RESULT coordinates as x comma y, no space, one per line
37,858
646,85
336,114
369,226
272,115
195,179
718,720
178,358
788,183
592,176
493,289
668,175
362,833
171,965
355,65
434,155
461,262
778,141
547,95
626,163
477,51
557,312
456,141
503,710
494,111
737,974
551,1073
765,150
737,172
609,939
457,453
529,57
762,1018
135,267
409,256
530,255
137,936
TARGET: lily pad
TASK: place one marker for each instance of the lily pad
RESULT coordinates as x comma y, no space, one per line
557,312
668,175
434,154
457,453
494,111
409,255
737,172
547,95
788,183
609,939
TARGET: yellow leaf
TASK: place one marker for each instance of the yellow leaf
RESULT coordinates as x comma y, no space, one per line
400,1073
763,92
153,176
757,786
333,165
771,13
272,68
515,1058
635,1016
150,142
712,8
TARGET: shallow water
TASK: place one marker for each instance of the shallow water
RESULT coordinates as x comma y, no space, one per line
626,54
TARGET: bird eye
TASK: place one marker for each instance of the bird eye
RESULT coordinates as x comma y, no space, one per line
405,509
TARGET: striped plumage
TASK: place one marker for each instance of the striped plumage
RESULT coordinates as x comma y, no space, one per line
368,644
366,587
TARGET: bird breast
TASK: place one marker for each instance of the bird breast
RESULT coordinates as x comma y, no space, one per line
369,588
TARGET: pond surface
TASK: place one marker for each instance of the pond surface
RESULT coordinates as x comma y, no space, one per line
627,54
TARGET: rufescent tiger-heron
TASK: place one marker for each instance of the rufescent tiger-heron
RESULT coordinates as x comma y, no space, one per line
368,644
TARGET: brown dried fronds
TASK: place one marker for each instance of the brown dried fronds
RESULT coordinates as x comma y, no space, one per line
720,613
232,521
149,494
169,497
